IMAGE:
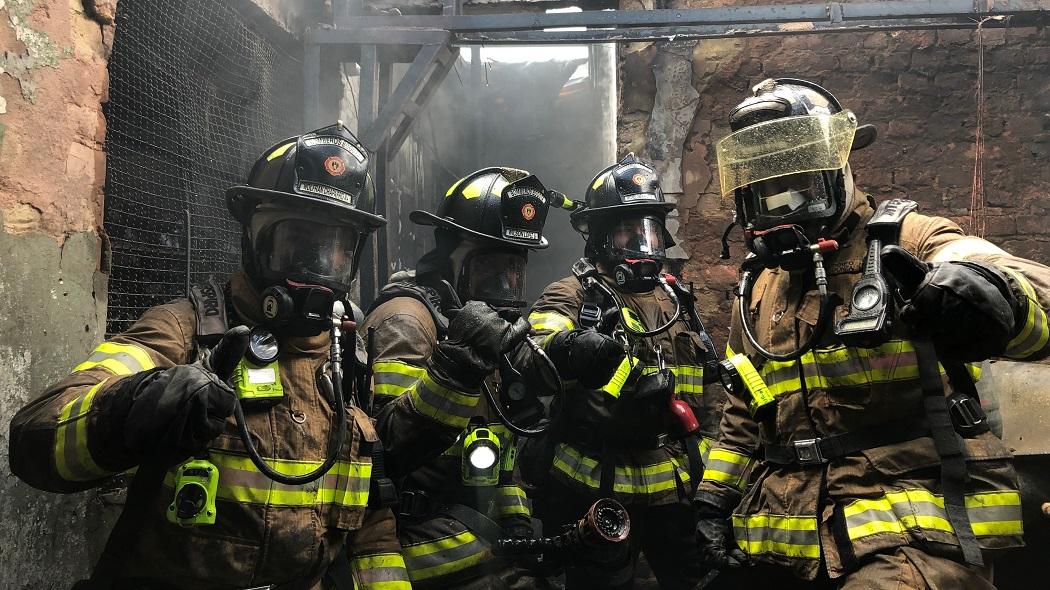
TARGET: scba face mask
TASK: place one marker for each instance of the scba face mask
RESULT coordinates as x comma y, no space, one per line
496,276
636,247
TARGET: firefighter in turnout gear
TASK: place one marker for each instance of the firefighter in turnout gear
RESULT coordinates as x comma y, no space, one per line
195,401
452,456
628,343
859,453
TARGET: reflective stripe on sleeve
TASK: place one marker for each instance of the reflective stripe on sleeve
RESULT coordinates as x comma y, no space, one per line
848,367
444,405
73,460
345,484
991,514
392,378
628,479
726,467
384,571
510,501
1033,335
444,556
119,359
790,536
549,321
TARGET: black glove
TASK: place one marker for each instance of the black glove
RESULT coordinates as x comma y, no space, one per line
585,355
714,535
478,336
966,308
172,414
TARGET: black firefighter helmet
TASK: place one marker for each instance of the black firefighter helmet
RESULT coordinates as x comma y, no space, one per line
485,226
786,160
624,213
307,209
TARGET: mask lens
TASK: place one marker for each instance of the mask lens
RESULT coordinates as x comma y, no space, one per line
784,195
300,247
643,236
497,277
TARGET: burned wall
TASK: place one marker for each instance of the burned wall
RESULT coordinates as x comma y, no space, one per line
917,87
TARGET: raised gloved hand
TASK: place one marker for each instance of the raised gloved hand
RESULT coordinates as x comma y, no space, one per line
588,356
172,414
478,336
966,308
714,535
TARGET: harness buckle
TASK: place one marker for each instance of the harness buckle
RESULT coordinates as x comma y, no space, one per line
590,315
807,452
415,504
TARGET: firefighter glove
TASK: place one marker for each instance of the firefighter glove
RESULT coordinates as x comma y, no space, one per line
585,355
714,535
478,336
172,414
966,308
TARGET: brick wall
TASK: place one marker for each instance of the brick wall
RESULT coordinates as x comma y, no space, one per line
917,87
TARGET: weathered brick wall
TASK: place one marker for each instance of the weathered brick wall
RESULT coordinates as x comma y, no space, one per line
917,87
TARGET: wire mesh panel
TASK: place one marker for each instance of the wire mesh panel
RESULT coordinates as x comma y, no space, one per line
195,96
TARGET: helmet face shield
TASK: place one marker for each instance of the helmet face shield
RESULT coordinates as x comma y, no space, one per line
305,250
495,276
783,147
639,236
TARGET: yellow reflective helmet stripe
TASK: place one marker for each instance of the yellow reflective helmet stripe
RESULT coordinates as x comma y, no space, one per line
119,359
444,556
1033,335
383,571
73,460
392,378
444,405
991,513
279,151
790,536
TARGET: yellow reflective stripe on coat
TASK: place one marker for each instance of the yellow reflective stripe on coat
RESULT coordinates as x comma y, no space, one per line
510,500
444,556
383,571
1033,335
991,514
628,479
848,367
726,467
790,536
549,323
345,484
445,405
688,379
119,359
73,460
392,378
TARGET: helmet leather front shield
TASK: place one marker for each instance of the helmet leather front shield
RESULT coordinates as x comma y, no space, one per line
785,146
496,277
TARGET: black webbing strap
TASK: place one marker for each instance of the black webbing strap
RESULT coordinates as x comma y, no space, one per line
696,464
954,474
607,464
382,491
478,523
828,448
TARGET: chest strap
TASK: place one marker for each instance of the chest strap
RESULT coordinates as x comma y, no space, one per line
816,451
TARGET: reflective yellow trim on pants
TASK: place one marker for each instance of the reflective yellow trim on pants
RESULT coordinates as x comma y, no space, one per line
392,378
628,479
726,467
119,359
345,484
444,556
383,571
991,514
510,500
73,460
1035,332
443,404
790,536
848,367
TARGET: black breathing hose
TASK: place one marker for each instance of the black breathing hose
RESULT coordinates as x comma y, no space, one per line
498,407
334,447
620,306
